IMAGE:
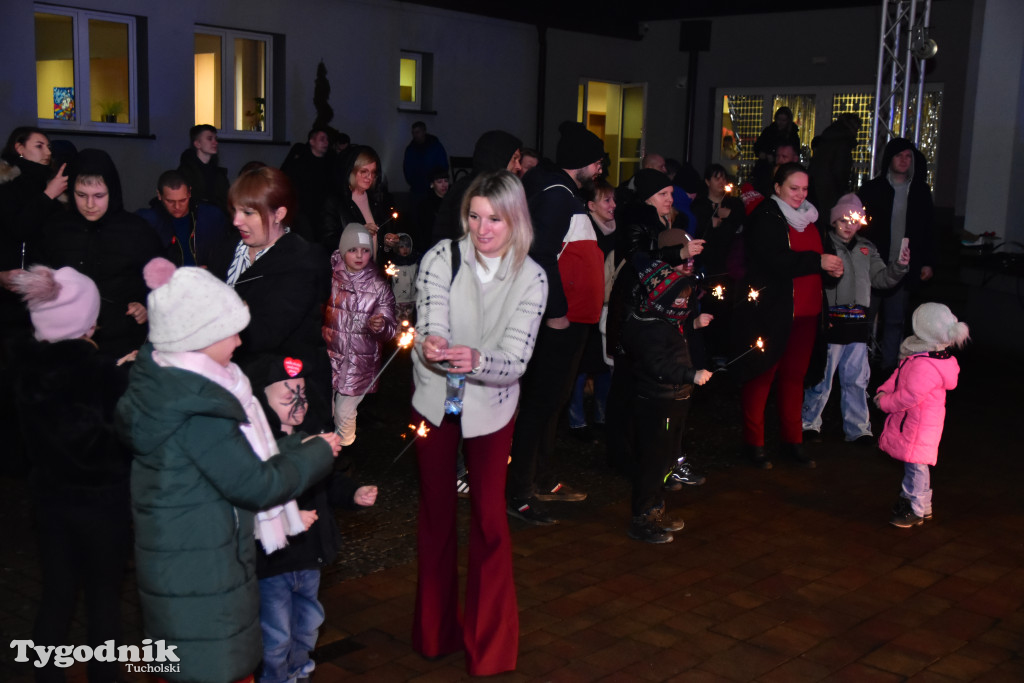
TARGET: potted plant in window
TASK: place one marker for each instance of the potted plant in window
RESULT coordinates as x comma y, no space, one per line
258,114
109,111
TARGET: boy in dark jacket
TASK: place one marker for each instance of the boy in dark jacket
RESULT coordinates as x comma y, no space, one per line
663,377
290,614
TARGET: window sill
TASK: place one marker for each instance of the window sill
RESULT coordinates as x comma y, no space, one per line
64,132
425,112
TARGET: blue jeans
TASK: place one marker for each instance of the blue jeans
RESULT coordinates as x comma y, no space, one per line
854,372
290,618
917,487
602,383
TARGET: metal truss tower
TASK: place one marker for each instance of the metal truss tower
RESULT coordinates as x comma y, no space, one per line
903,48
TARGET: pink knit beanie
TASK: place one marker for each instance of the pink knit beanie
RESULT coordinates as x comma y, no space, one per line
63,304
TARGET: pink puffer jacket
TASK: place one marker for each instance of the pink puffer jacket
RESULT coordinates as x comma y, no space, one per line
354,350
915,398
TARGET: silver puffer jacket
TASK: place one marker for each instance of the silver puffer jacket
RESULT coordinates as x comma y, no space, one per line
354,350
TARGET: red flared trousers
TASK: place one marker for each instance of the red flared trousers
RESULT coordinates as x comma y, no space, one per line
788,375
489,630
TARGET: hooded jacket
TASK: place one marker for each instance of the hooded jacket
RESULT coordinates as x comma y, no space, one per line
878,194
915,399
111,250
354,350
196,484
493,150
863,269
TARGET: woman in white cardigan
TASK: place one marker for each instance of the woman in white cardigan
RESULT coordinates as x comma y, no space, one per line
479,318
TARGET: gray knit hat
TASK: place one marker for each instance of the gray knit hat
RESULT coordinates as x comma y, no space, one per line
189,308
355,235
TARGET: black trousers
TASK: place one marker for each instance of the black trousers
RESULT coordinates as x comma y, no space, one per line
83,546
658,426
546,389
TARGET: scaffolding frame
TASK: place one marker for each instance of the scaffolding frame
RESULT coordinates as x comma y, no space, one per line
903,26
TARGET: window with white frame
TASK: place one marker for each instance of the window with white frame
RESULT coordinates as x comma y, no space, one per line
86,70
415,81
233,81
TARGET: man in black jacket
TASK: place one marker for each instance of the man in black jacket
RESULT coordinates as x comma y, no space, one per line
201,167
898,202
189,230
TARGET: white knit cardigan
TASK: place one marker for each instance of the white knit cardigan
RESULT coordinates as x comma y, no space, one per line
500,320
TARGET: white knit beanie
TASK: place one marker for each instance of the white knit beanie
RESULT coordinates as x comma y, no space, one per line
935,324
355,235
190,309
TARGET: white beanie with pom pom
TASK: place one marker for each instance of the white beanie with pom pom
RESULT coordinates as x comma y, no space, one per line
936,325
190,309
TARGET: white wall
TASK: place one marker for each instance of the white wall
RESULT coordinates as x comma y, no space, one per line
484,77
994,176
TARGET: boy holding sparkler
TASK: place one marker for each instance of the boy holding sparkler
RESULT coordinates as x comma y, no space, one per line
359,319
654,338
849,326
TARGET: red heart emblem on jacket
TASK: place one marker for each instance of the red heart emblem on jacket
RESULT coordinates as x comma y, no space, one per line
865,251
292,366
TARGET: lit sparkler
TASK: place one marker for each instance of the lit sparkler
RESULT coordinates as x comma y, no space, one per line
718,291
753,294
405,340
394,216
391,270
758,344
729,188
422,430
856,217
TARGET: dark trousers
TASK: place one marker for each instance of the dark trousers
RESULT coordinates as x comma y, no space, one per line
546,389
83,548
489,629
619,416
788,376
658,425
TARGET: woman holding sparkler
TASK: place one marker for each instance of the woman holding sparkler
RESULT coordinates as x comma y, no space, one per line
358,201
479,305
785,264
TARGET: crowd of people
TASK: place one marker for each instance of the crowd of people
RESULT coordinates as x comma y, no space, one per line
207,356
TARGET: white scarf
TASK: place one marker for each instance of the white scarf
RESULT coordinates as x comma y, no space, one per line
798,218
273,526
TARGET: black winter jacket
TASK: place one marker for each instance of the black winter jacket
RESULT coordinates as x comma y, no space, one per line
659,356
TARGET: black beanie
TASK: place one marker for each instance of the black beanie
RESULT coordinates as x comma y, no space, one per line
648,182
578,147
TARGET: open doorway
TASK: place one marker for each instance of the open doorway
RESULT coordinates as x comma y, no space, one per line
616,113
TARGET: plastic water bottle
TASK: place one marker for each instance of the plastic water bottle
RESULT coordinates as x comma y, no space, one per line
455,387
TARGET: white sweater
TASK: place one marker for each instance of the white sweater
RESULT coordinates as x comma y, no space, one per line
500,320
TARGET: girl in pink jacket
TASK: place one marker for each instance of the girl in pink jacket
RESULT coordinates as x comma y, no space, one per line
358,321
915,399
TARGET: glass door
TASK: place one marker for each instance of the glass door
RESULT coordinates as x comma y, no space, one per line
616,113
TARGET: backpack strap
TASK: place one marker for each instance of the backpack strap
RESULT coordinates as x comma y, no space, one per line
456,258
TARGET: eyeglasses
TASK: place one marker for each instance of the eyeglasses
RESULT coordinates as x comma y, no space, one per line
365,172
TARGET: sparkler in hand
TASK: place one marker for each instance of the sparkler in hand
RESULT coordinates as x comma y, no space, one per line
753,294
759,345
391,270
405,340
718,291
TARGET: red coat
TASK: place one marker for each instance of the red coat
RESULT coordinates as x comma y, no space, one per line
354,350
915,398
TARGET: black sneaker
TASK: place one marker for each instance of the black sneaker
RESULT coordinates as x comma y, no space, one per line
902,504
642,528
758,455
528,511
682,474
562,492
665,522
864,441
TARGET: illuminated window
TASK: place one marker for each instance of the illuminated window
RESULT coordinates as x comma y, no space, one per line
85,70
233,86
414,80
